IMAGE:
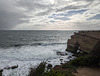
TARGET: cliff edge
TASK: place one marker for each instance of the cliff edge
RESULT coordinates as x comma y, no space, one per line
85,41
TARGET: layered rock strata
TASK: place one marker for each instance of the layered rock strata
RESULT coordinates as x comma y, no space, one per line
86,41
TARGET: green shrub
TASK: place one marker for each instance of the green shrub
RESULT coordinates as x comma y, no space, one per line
68,68
39,71
59,73
0,73
87,60
69,73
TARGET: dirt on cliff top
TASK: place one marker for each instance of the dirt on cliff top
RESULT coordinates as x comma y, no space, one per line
94,34
88,71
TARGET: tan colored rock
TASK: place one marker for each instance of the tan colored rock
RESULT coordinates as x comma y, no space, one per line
89,41
88,71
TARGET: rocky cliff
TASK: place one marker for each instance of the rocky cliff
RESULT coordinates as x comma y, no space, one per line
87,41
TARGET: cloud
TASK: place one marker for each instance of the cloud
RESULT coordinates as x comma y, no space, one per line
77,11
60,18
95,17
31,5
49,14
52,21
10,15
90,25
66,15
77,5
43,13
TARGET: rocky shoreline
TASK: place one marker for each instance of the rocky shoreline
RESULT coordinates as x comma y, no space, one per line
85,41
85,45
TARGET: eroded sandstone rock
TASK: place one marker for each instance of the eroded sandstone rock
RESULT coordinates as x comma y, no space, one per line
87,41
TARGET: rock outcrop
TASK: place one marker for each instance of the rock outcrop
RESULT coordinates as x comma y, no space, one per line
86,41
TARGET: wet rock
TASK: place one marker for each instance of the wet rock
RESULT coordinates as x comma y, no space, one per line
61,53
61,60
57,67
66,61
69,57
1,70
17,45
49,66
12,67
32,72
61,63
0,73
49,61
66,54
7,68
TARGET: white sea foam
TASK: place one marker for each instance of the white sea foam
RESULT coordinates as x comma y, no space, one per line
27,57
30,56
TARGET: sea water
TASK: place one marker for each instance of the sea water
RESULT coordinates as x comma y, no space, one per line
27,49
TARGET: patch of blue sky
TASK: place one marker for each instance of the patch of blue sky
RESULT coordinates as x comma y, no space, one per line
77,11
64,16
52,16
68,13
61,18
95,17
52,21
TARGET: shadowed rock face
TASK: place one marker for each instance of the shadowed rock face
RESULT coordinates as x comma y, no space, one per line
88,41
96,49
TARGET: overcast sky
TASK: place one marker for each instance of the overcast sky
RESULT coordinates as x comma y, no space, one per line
49,14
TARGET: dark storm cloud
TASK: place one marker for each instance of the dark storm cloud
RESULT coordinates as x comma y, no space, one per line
72,7
10,16
31,5
34,5
75,7
16,14
10,20
12,12
67,8
44,12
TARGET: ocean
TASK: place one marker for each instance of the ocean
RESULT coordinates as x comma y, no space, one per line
27,49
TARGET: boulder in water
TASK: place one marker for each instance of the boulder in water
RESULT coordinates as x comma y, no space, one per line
49,66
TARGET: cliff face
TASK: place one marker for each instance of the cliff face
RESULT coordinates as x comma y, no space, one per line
87,41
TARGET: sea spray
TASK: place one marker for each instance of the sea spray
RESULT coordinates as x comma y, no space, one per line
29,49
